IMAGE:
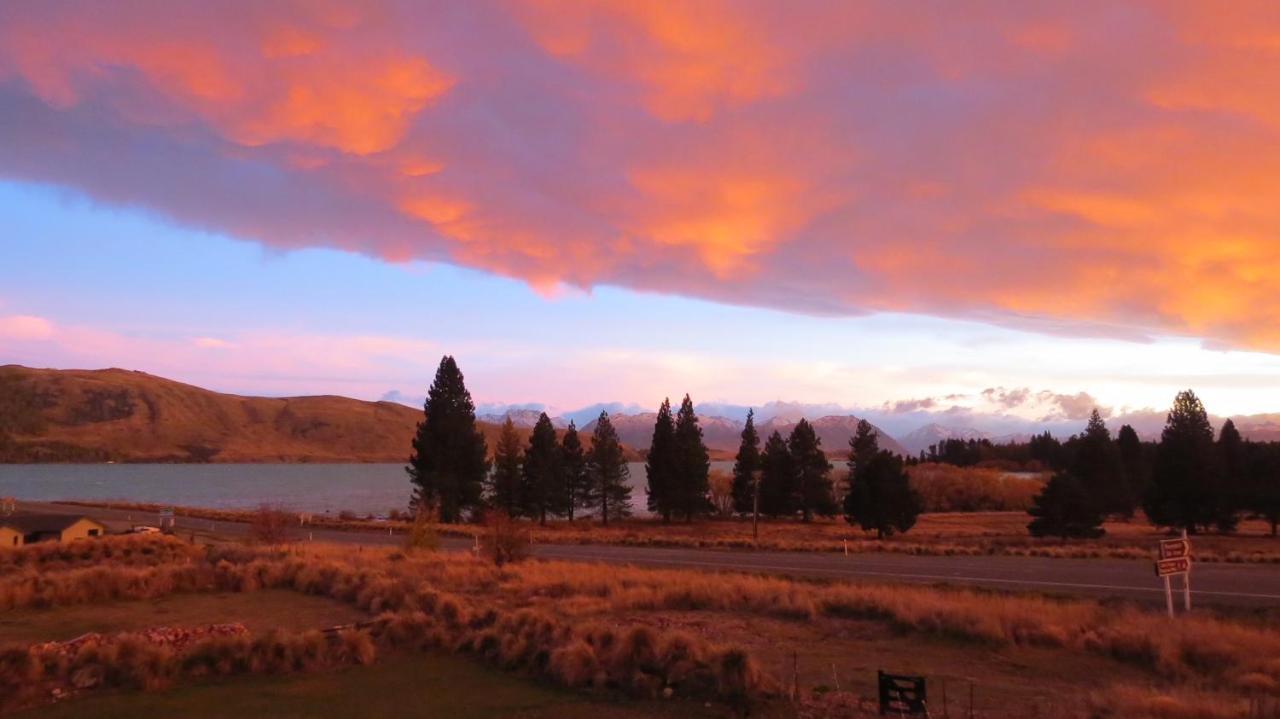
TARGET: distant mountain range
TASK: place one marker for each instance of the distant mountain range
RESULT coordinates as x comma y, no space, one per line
122,415
723,435
125,416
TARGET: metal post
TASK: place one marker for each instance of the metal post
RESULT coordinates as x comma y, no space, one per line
1186,579
755,509
1168,595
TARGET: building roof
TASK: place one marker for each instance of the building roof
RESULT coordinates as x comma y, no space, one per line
28,523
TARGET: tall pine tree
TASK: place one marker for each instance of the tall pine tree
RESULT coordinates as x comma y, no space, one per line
450,460
745,467
812,473
1231,485
1098,467
505,479
1184,488
573,470
541,492
1133,461
660,464
607,468
693,465
777,478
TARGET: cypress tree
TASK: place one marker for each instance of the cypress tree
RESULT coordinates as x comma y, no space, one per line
1065,509
573,470
880,496
745,465
812,473
692,465
505,479
660,464
1184,492
607,469
541,492
449,461
776,478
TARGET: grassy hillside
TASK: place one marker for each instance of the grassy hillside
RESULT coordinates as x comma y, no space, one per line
120,415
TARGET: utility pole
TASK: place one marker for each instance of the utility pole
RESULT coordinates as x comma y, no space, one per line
755,506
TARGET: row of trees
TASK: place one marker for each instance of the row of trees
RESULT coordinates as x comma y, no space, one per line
1188,480
792,476
551,476
556,475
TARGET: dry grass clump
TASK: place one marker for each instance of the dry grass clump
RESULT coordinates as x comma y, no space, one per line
1129,702
131,661
102,584
1194,647
126,550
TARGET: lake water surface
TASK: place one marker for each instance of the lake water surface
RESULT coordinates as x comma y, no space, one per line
361,488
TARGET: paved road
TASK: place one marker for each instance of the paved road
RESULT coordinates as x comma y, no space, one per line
1251,585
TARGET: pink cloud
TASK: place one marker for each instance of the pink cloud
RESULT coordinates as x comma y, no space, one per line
1099,168
25,327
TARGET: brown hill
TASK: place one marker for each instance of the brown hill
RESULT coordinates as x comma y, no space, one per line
120,415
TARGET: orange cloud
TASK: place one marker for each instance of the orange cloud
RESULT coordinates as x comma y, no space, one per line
1099,168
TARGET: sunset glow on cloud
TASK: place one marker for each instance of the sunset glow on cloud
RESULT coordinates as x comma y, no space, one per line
1111,171
998,215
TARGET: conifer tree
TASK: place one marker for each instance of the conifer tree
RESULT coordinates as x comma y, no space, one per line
745,465
450,460
1263,489
1183,492
573,470
1098,468
1230,490
607,468
812,473
693,465
505,479
1065,509
660,464
541,492
864,443
1133,461
777,478
880,496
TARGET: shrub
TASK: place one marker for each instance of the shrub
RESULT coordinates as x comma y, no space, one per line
503,540
271,525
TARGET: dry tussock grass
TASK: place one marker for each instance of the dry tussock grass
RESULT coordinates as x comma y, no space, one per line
127,550
130,661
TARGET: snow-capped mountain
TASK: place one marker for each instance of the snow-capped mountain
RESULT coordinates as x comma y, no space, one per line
526,418
933,433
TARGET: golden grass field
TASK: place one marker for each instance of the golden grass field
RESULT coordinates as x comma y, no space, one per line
939,533
734,640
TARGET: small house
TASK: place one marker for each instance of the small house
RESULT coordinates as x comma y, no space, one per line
17,530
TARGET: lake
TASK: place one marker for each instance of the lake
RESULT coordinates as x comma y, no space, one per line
361,488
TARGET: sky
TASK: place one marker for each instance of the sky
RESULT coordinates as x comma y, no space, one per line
980,211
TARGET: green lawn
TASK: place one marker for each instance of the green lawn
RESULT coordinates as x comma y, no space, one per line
259,611
417,685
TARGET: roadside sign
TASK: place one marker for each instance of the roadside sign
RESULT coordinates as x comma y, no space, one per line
1175,560
1175,548
1167,567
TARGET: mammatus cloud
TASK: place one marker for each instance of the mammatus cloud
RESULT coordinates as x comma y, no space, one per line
1101,168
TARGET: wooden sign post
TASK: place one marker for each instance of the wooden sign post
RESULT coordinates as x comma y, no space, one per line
1175,559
